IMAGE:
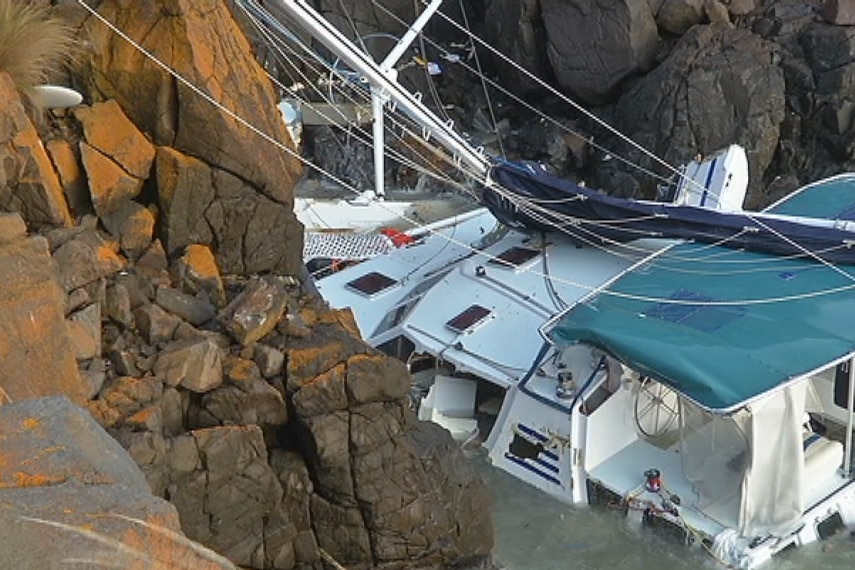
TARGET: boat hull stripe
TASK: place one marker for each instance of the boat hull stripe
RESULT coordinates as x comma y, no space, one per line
532,468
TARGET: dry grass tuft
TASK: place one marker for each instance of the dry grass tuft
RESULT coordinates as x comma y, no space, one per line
33,43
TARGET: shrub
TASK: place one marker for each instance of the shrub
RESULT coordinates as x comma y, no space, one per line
33,43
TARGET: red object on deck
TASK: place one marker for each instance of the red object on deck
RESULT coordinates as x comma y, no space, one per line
398,238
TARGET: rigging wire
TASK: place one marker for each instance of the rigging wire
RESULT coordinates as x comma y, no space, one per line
579,108
519,100
594,290
365,138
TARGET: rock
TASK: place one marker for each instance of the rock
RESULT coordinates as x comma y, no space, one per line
155,324
76,299
110,186
127,395
185,191
192,364
269,360
12,228
107,129
720,86
839,12
323,394
89,320
196,271
231,500
66,160
93,376
133,225
376,379
70,491
153,265
593,50
517,29
118,305
173,407
36,353
741,7
253,401
86,259
194,311
82,342
256,310
28,182
184,121
717,12
677,16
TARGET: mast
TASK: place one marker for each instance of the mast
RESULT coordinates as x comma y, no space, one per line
382,79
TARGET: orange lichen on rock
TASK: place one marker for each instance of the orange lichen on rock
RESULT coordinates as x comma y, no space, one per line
31,423
36,480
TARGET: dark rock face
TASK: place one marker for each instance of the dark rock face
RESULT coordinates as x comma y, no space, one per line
594,45
719,86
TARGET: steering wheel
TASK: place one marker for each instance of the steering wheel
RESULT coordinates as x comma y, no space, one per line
657,408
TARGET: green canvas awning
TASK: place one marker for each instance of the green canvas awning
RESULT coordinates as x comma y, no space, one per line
723,326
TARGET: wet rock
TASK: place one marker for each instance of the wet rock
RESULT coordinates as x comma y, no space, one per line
155,324
191,309
256,310
28,182
192,364
196,271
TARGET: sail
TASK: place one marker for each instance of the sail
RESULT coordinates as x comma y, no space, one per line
524,195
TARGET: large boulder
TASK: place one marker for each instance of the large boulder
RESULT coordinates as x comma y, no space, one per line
70,492
594,45
217,120
719,86
36,353
516,29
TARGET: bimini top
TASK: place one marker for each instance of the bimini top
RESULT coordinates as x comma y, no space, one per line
723,326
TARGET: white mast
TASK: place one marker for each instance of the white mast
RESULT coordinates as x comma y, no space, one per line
384,86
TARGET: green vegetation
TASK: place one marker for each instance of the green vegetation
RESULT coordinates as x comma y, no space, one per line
33,43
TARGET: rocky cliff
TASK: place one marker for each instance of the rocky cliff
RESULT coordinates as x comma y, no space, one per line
151,260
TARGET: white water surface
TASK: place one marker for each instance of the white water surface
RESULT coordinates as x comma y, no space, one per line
535,532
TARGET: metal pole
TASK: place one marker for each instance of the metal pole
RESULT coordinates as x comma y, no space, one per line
847,457
337,43
410,36
377,108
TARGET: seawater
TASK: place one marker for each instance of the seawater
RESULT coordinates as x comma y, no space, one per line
535,532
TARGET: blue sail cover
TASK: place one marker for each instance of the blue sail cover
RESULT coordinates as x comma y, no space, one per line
722,326
526,196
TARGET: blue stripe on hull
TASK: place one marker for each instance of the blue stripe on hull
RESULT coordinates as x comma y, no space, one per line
532,468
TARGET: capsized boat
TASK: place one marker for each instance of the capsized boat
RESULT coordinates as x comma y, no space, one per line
699,388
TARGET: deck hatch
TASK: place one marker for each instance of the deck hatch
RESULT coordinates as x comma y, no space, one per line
514,256
468,319
371,283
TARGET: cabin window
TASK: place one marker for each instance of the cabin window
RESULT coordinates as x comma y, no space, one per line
468,319
371,283
515,256
697,313
841,384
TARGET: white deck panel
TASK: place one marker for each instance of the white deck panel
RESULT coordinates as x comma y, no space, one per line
409,265
504,346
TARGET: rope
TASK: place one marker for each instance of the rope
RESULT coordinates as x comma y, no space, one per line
569,282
